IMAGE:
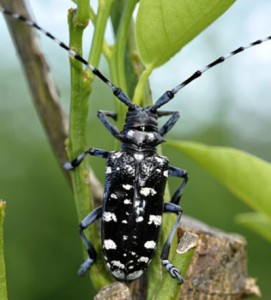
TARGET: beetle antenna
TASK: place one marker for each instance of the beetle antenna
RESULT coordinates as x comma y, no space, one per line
168,95
119,93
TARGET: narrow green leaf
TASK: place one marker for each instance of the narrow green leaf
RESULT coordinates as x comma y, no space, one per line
163,27
247,176
257,222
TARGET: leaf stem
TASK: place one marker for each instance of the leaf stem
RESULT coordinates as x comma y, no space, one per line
140,88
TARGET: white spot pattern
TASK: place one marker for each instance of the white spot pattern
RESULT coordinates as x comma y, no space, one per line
118,274
134,275
127,201
108,217
109,244
118,264
144,259
127,186
150,245
108,170
146,191
139,219
155,219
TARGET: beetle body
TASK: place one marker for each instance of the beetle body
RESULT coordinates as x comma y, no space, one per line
132,211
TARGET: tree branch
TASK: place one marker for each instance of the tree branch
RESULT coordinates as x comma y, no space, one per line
44,92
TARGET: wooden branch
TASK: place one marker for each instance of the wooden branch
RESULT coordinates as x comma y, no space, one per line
219,266
218,269
44,91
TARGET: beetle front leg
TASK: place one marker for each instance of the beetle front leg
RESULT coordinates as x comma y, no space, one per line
177,172
173,271
91,151
88,220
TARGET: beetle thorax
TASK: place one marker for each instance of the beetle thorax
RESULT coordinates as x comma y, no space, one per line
141,130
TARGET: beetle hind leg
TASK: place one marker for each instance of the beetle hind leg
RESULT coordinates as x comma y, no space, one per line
173,271
89,219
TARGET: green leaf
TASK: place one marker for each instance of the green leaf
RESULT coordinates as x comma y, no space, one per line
247,176
163,27
257,222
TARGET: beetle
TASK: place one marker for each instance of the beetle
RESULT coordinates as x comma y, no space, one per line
133,204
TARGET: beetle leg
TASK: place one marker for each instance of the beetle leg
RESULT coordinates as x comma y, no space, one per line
177,172
173,271
88,220
175,115
113,130
92,151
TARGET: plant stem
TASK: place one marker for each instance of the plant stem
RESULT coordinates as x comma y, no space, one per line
117,63
3,284
140,88
98,38
80,86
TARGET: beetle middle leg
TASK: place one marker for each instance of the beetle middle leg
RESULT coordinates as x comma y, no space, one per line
88,220
177,172
91,151
173,271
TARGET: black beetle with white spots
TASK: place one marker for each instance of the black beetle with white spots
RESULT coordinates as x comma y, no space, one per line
133,205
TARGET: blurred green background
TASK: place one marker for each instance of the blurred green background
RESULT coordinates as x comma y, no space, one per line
228,106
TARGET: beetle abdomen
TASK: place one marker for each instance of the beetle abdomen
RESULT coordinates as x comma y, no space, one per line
132,212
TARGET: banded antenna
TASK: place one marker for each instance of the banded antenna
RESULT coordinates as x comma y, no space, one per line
119,93
116,91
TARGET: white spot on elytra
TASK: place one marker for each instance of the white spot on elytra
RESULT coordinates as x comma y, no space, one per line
127,186
127,201
118,274
139,210
159,159
134,275
139,219
113,196
129,169
125,237
165,173
108,170
137,203
118,264
124,222
150,244
108,216
155,219
144,259
146,191
109,244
